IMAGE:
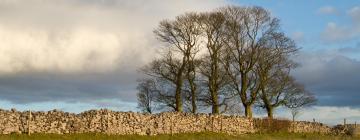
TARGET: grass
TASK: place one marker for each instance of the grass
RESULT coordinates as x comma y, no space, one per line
192,136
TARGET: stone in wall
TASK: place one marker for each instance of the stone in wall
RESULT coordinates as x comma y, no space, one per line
123,123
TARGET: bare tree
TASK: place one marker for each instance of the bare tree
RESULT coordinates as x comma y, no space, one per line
273,69
212,57
279,92
181,36
191,86
278,88
146,95
245,29
300,99
212,26
295,112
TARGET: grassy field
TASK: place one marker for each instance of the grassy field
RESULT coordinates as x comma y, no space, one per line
197,136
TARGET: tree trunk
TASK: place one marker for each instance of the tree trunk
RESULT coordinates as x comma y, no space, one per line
193,102
193,86
215,104
215,108
178,100
179,84
248,111
293,118
270,113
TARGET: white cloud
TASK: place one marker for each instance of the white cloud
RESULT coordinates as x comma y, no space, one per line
327,10
74,36
334,33
298,36
72,51
354,13
331,115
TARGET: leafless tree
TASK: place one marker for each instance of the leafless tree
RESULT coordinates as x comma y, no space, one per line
280,91
232,55
273,69
146,95
192,83
300,99
278,88
181,36
295,112
246,28
163,71
211,66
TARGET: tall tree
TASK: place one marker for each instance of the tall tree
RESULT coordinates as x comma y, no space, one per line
273,69
181,36
192,84
211,68
278,88
211,57
245,29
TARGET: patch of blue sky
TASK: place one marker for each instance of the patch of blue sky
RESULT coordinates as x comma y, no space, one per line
74,107
304,17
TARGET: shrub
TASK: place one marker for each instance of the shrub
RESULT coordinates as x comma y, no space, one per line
267,125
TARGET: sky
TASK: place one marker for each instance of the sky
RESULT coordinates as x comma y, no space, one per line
76,55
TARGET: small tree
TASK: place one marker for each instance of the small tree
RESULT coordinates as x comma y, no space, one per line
297,101
295,112
146,95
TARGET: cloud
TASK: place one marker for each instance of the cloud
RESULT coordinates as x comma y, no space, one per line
80,50
79,35
351,50
325,114
327,10
335,33
331,75
355,14
42,87
298,36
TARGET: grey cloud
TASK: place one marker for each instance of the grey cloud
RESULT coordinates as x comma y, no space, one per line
355,14
334,78
350,50
80,50
40,87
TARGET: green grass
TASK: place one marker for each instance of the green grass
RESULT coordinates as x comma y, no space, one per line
193,136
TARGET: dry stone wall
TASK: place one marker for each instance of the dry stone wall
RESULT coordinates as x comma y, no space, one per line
310,127
106,121
111,122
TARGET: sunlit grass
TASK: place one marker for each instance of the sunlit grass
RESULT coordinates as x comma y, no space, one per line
192,136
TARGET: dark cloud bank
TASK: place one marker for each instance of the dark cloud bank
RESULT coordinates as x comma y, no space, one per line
334,79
